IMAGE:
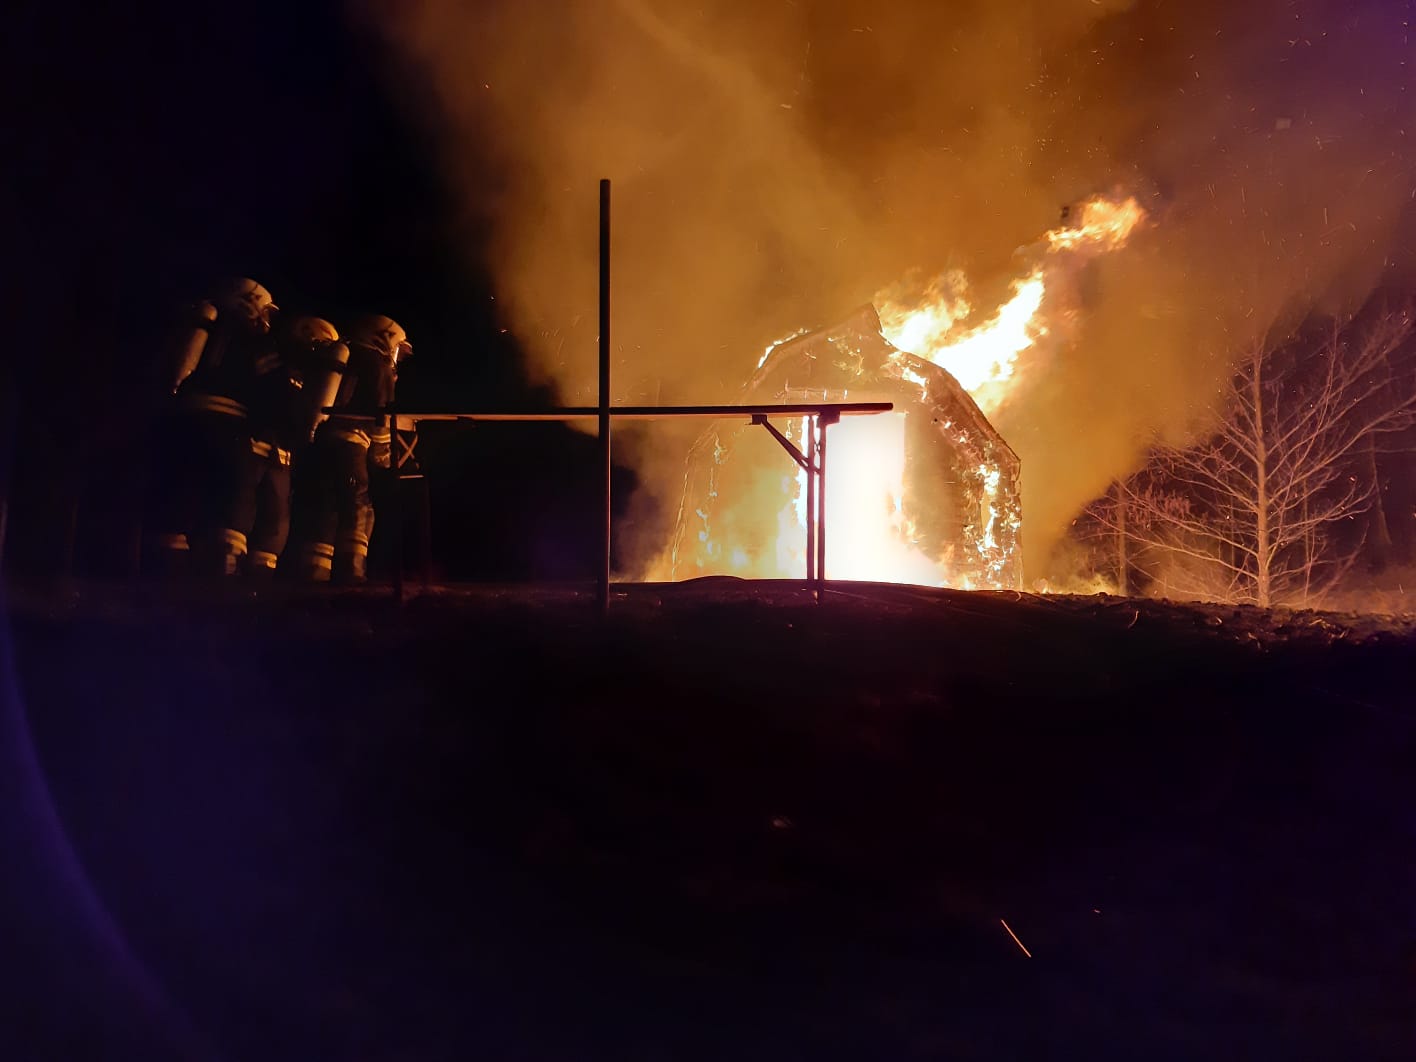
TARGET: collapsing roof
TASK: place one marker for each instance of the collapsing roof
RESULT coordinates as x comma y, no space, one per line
929,494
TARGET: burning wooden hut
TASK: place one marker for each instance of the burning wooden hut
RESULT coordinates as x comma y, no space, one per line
928,494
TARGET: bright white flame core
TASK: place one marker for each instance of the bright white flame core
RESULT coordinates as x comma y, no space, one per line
869,537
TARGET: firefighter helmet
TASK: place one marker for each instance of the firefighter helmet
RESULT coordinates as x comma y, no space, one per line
313,331
383,335
248,302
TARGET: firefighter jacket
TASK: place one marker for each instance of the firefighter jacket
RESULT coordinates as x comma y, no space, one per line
279,408
225,379
366,391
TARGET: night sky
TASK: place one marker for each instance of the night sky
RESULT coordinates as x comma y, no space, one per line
162,148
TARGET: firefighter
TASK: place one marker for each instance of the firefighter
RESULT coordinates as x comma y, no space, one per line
356,438
293,384
204,438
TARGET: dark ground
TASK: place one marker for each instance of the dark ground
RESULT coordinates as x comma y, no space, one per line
726,824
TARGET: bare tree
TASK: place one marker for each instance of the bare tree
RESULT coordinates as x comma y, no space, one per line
1265,510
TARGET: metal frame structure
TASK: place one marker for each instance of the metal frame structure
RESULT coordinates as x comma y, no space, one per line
820,416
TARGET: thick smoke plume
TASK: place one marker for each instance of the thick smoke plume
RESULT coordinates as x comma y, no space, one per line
777,164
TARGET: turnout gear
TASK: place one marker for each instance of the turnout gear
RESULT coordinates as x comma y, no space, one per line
203,439
266,505
286,411
354,439
335,486
321,359
375,347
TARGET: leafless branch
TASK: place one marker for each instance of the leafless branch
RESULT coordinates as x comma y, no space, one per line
1251,513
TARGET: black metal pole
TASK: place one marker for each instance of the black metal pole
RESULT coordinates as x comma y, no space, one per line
395,503
810,499
821,500
426,532
603,588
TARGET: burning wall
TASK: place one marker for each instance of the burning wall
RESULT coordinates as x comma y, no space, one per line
928,494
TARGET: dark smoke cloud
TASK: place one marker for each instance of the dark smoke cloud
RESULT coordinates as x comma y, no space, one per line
776,164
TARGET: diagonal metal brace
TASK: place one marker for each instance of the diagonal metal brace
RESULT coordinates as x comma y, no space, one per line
800,458
406,448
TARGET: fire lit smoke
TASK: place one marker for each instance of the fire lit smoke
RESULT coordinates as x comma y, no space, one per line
778,164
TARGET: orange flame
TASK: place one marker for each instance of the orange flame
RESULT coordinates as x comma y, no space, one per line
874,541
871,537
984,359
1105,226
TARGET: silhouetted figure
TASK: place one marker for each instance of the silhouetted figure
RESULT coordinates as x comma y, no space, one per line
203,438
346,446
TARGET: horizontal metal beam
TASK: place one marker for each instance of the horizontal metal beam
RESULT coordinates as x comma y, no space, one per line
798,409
566,413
